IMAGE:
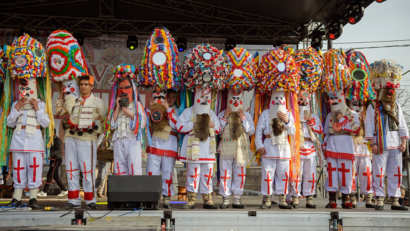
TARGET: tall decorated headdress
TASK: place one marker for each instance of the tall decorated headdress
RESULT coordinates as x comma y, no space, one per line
360,87
311,68
337,73
3,66
385,73
160,64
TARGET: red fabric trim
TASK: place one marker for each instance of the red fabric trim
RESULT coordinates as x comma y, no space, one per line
312,122
318,131
88,196
172,119
19,150
200,159
149,173
218,131
18,170
369,138
73,194
223,119
179,130
340,155
276,158
354,132
243,118
161,152
405,137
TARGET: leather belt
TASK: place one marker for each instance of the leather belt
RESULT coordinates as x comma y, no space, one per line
172,133
24,127
307,139
267,136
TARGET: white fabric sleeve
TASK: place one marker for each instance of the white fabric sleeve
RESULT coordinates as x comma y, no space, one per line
12,117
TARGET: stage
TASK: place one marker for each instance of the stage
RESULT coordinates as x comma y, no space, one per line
250,218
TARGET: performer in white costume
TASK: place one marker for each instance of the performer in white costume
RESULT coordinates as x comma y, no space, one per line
311,68
356,95
340,124
27,67
277,74
236,125
203,69
387,132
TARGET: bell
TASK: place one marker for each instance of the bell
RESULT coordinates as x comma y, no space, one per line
95,127
80,133
90,131
72,132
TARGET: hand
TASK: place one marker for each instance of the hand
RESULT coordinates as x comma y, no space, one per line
127,112
262,151
361,114
211,125
339,116
307,117
34,102
165,104
375,149
118,101
283,117
241,113
20,103
402,146
227,112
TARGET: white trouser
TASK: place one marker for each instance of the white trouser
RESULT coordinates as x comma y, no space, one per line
363,168
226,187
27,169
339,171
199,175
80,156
308,173
390,161
275,170
164,164
127,157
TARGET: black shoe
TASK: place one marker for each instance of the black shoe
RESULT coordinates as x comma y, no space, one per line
370,206
224,206
274,203
285,206
71,206
354,206
14,203
92,206
309,206
236,206
393,207
167,206
379,207
211,206
295,206
33,204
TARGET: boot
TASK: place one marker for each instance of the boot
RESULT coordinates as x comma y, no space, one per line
346,202
225,203
191,201
396,206
267,202
368,199
282,202
33,199
309,202
208,203
237,202
167,204
380,203
332,201
353,200
295,202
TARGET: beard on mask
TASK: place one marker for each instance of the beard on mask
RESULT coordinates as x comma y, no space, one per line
201,128
235,125
387,97
277,126
159,125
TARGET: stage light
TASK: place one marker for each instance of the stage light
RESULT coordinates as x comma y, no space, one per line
79,37
230,44
181,44
132,42
316,39
380,1
334,30
356,12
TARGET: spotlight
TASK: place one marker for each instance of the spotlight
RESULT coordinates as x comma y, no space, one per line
132,42
356,12
380,1
334,30
79,37
316,39
181,44
230,44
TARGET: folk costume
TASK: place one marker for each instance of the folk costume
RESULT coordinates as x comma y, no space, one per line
203,71
27,66
278,74
311,69
234,145
67,64
3,114
386,128
160,70
338,141
357,94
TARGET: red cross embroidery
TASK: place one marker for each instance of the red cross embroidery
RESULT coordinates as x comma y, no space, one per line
18,170
343,170
34,166
268,182
330,170
71,170
381,176
169,182
209,177
286,181
399,175
85,172
297,183
368,174
118,169
132,169
242,176
225,178
195,176
313,181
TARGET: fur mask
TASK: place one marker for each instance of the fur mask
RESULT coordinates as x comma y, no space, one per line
157,117
277,126
235,125
201,128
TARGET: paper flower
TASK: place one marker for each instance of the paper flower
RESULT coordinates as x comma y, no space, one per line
311,68
124,70
241,69
385,71
337,73
360,87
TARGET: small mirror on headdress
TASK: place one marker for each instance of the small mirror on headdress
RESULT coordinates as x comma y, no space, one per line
281,67
359,75
305,94
21,61
207,56
306,56
38,53
158,40
207,77
159,58
236,91
237,72
156,116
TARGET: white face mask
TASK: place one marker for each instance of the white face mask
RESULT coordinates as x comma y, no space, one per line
303,104
337,101
354,105
27,88
70,87
203,99
159,95
235,99
277,103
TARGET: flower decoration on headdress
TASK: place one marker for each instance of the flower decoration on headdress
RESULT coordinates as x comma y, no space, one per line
3,66
27,58
160,64
241,69
124,70
337,73
65,56
385,73
204,66
359,71
287,48
311,68
278,70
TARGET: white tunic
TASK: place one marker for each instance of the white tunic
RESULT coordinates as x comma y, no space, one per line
392,137
133,123
185,125
264,128
308,150
21,143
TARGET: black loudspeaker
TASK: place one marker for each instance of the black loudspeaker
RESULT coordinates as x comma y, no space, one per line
133,192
